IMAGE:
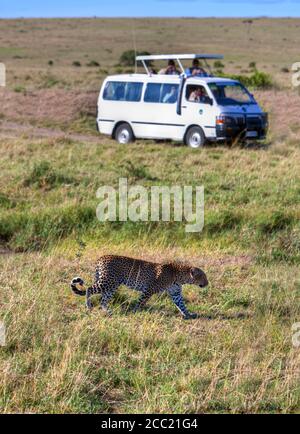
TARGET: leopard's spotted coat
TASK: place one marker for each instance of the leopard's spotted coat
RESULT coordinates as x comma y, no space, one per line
146,277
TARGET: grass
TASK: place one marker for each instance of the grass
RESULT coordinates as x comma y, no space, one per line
241,195
43,176
237,358
30,44
238,355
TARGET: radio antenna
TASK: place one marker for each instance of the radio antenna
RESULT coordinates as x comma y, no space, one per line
134,46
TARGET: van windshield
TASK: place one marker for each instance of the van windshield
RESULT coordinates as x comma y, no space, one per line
231,94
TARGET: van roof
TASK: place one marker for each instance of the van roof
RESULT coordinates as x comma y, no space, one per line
179,56
168,78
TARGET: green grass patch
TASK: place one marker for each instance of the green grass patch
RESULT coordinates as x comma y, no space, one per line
43,175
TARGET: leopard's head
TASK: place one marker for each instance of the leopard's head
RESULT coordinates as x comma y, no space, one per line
198,277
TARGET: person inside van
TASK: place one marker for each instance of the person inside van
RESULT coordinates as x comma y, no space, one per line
171,96
198,95
170,69
196,70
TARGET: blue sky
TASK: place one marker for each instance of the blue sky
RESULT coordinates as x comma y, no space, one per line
138,8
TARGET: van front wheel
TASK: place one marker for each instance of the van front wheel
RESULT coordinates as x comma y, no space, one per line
124,134
195,137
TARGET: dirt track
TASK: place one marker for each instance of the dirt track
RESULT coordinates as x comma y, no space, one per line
28,112
14,130
56,106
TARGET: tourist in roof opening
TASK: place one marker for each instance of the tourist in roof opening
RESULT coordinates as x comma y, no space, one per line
170,69
152,71
196,70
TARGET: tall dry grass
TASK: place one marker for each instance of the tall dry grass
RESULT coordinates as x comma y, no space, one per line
237,357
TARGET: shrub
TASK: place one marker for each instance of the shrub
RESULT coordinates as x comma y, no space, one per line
92,63
76,63
285,69
218,64
252,65
258,80
261,80
128,57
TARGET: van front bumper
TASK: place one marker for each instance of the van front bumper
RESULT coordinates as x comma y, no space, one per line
250,127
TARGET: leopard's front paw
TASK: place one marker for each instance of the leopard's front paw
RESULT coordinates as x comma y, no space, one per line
190,316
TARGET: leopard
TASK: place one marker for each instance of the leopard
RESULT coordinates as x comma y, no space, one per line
146,277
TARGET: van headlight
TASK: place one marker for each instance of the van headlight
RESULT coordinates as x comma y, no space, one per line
225,120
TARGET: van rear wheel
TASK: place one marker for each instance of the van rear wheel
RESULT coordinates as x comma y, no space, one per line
195,137
124,134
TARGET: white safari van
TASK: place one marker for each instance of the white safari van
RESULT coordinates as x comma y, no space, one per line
190,108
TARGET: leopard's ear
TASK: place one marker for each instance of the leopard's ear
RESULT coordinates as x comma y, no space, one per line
193,272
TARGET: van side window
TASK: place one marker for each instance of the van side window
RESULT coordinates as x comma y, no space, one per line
133,91
122,91
161,93
196,93
169,93
152,93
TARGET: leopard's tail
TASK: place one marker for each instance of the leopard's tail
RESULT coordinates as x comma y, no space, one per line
77,281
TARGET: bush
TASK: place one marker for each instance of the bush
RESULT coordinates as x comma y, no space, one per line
258,80
93,63
76,63
218,64
261,80
128,57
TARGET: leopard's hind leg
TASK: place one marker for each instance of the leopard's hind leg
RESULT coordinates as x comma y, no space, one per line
106,296
107,288
96,288
89,292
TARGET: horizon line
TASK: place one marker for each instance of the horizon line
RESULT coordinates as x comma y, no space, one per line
150,17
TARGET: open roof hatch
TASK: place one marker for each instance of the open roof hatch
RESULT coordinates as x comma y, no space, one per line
177,57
